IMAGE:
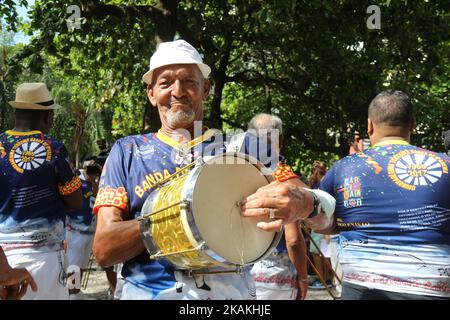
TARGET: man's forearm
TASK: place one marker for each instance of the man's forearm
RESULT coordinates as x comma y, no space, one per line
117,242
296,247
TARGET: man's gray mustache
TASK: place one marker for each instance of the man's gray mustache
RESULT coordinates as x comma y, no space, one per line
186,102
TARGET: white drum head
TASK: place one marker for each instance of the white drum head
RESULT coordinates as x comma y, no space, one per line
217,190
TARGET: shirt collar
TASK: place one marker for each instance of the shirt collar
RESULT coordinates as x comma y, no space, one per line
175,144
20,133
393,141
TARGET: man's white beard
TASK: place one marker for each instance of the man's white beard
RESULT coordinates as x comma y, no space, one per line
180,119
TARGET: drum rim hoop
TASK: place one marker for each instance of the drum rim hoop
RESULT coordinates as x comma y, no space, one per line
188,192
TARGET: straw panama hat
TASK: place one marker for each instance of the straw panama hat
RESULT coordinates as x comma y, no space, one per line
175,52
35,96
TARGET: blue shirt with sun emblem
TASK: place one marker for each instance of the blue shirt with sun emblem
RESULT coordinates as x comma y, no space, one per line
35,173
393,212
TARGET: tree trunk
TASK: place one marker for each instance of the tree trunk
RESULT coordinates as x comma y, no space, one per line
81,117
151,121
220,78
165,20
215,118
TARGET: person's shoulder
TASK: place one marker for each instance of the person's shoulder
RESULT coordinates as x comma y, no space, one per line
441,154
436,154
54,142
350,159
86,184
135,140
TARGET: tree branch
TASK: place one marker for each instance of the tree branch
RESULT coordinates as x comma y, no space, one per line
164,15
91,9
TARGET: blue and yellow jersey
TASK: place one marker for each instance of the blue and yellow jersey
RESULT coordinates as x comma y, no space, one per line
35,173
81,220
393,212
133,168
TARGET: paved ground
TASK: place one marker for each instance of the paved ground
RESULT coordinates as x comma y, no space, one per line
97,288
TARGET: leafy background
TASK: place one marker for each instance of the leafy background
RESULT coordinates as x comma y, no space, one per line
313,63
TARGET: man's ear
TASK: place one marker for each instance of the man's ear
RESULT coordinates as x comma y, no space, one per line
150,95
370,128
206,88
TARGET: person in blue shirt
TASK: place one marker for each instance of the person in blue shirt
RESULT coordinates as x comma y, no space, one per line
283,275
177,86
37,187
392,210
80,224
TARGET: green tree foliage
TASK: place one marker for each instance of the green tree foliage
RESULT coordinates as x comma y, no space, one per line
8,13
316,64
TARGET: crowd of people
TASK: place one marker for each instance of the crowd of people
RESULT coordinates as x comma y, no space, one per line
377,222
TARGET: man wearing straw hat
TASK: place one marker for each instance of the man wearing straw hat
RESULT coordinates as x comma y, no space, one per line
37,187
177,84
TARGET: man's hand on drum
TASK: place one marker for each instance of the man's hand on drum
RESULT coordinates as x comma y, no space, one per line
281,202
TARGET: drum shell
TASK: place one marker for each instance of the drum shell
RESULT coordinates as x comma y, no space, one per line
205,258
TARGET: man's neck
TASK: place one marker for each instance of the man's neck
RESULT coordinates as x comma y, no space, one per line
181,135
24,129
388,138
26,126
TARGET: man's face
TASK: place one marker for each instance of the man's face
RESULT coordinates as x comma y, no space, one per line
178,91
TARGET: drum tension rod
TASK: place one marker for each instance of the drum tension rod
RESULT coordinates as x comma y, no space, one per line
183,203
173,176
160,254
191,273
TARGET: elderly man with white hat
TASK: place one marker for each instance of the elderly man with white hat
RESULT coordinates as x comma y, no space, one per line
177,85
37,186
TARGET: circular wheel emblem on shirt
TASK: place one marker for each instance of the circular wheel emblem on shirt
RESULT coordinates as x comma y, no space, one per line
410,169
29,154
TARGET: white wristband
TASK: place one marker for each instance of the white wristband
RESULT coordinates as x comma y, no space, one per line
328,203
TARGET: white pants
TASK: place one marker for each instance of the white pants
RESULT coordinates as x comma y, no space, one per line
79,247
334,259
119,283
47,270
222,287
263,293
275,278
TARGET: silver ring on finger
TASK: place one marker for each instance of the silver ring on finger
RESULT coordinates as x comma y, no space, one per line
272,213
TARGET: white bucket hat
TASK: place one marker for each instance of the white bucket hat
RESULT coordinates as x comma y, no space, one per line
175,52
35,96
